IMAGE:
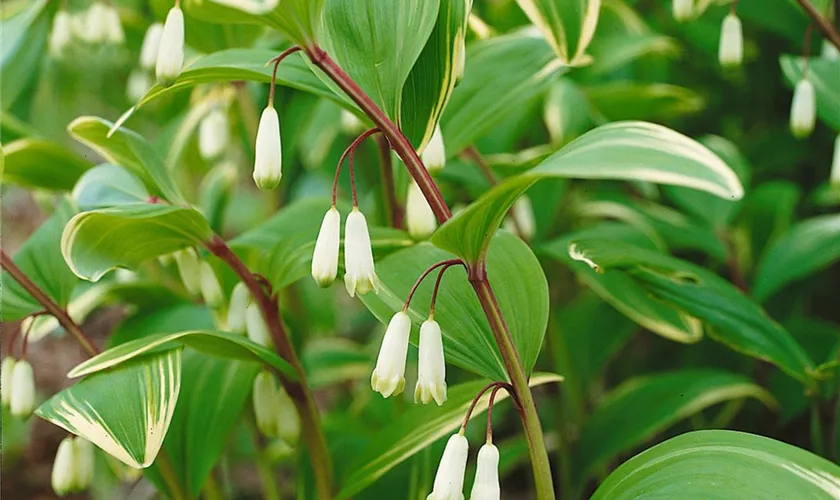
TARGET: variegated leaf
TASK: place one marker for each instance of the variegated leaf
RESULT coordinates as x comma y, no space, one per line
568,25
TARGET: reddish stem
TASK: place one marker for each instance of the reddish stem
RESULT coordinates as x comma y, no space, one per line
428,271
277,60
389,188
351,152
490,404
468,415
822,23
437,285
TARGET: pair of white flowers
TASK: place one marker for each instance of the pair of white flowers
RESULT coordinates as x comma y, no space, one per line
388,377
449,480
274,410
100,23
73,467
360,275
17,384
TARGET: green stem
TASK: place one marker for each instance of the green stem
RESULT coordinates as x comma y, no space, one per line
170,479
816,429
298,389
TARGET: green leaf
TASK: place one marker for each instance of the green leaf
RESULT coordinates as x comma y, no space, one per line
433,77
126,411
521,67
108,185
623,150
334,361
724,465
418,428
642,101
38,163
95,242
616,425
568,25
612,53
222,344
40,259
520,287
130,150
567,113
824,74
731,317
22,43
377,44
804,249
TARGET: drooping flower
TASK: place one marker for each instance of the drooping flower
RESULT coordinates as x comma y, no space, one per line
835,165
213,134
151,46
63,477
240,297
683,9
803,109
256,327
274,410
7,368
360,275
83,452
419,218
829,51
211,290
431,374
388,377
139,82
268,163
325,256
95,23
23,389
434,156
170,57
731,49
449,480
522,219
190,270
113,26
486,485
61,34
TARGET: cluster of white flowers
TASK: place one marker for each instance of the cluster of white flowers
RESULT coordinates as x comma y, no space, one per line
73,467
198,277
161,53
274,410
17,384
99,24
449,480
360,275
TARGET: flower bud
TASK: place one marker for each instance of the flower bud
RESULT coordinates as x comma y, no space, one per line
350,123
388,377
803,109
325,256
113,26
360,276
211,290
64,468
274,410
189,269
449,480
83,452
835,165
151,46
486,485
95,24
431,374
213,134
6,370
434,156
419,218
139,82
731,49
268,162
239,300
61,34
256,327
23,389
522,219
170,57
683,9
829,52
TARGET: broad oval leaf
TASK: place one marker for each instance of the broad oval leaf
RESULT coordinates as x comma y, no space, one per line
616,425
567,24
517,280
38,163
23,41
824,74
724,465
418,428
108,185
95,242
221,344
804,249
125,411
636,151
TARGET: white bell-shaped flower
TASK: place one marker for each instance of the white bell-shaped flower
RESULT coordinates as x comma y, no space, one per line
829,51
731,49
803,109
449,480
63,477
139,82
211,290
360,275
683,9
95,23
523,214
431,372
274,410
170,57
325,256
151,46
213,134
23,389
256,327
240,297
419,218
189,268
486,485
268,162
83,452
835,165
434,156
388,377
61,34
113,26
7,368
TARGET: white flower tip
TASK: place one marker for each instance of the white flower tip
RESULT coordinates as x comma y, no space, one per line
360,276
803,110
434,156
211,290
213,134
268,156
388,377
189,268
256,327
431,376
449,479
731,49
486,485
325,255
63,472
683,10
170,57
419,217
274,410
151,46
240,297
7,368
387,386
835,165
23,389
